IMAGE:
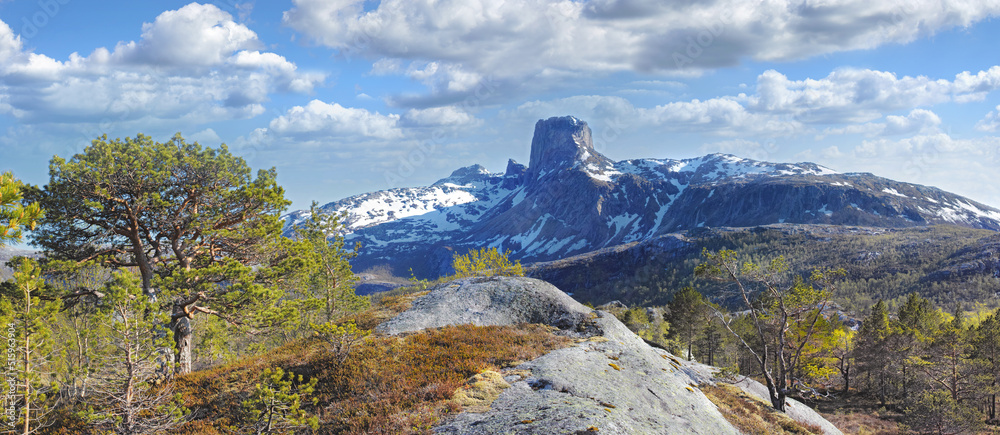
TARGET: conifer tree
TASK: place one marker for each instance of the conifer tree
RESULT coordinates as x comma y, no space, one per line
872,351
29,319
192,216
277,403
14,215
986,352
133,392
687,317
331,278
486,262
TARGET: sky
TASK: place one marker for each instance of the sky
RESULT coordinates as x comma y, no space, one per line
346,97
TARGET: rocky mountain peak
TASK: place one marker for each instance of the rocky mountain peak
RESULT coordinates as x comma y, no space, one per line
559,143
466,175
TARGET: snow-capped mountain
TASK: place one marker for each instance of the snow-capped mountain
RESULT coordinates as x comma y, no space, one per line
570,199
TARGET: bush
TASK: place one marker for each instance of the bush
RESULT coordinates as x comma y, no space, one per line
486,262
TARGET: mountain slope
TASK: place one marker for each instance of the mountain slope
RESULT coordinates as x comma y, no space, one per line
947,264
570,200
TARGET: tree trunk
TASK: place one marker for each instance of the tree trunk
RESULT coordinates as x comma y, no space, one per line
183,340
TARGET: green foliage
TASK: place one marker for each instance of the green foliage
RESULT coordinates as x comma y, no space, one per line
28,320
133,392
329,278
783,313
647,323
886,264
192,216
14,215
339,339
276,403
486,262
690,316
938,413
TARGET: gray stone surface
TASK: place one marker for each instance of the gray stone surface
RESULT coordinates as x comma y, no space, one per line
490,301
609,380
796,410
576,388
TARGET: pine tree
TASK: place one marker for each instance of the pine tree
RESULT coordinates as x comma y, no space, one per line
331,279
277,403
486,262
986,352
687,317
29,320
194,217
134,389
14,215
872,351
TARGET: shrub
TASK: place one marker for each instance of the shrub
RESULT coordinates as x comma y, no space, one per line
486,262
276,404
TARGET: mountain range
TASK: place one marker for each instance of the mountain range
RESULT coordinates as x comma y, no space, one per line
571,200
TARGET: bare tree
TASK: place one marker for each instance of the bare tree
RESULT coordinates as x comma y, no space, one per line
783,312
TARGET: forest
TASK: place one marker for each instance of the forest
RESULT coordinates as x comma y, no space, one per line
165,300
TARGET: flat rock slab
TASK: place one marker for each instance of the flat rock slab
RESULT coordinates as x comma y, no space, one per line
614,384
491,301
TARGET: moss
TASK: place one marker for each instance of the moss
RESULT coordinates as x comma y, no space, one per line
480,391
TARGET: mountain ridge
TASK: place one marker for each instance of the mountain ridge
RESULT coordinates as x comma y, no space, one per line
570,200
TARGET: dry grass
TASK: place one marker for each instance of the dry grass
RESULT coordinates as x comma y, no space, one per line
751,415
859,423
386,385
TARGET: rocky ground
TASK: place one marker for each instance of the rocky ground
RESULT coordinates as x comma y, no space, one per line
610,381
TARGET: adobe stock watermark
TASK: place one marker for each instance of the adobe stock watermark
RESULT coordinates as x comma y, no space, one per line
408,164
10,378
47,10
697,43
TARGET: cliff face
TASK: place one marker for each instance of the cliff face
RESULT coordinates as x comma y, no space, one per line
572,200
610,381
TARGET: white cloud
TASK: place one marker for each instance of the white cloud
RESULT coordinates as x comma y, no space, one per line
194,35
720,116
991,122
319,120
917,121
963,166
441,116
853,95
194,64
929,146
782,107
521,41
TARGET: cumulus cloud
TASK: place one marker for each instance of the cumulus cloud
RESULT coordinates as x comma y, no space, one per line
962,165
441,116
783,107
991,122
917,121
192,64
858,95
560,39
319,119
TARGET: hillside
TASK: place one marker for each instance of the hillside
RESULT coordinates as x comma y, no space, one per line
944,263
571,200
583,372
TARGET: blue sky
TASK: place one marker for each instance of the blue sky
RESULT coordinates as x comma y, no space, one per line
345,96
